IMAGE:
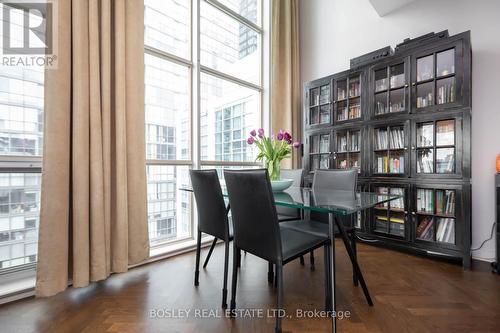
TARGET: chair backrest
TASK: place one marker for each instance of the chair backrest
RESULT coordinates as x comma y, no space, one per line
345,180
294,174
212,217
255,221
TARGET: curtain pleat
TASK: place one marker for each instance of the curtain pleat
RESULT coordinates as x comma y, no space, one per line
285,72
93,218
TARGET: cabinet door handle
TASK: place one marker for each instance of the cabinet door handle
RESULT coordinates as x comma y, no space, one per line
413,213
406,85
413,84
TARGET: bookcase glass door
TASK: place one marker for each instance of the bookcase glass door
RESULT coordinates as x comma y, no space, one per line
348,98
348,149
390,150
320,108
436,147
390,218
390,89
436,215
320,151
436,80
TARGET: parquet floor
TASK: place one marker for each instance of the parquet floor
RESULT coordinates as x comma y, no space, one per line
411,294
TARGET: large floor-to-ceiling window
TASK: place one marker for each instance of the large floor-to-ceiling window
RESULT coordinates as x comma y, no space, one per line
21,133
204,93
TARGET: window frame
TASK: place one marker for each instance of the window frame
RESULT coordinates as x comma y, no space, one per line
196,69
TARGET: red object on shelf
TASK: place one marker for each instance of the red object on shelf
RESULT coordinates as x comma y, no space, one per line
498,163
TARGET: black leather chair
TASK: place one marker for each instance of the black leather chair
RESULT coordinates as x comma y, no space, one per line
212,219
258,232
342,180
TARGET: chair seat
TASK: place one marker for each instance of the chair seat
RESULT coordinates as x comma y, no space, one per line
312,227
283,217
295,243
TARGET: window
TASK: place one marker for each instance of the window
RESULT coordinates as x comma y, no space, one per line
203,61
21,138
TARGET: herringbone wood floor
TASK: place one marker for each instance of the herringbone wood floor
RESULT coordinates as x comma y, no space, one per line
411,294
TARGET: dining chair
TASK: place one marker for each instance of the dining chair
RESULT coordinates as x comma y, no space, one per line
212,219
317,224
258,231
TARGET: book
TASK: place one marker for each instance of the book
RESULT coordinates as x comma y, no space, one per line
423,227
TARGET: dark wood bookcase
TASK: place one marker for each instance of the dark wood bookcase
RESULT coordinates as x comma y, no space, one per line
403,119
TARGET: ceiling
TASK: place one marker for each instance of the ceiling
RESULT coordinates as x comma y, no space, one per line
384,7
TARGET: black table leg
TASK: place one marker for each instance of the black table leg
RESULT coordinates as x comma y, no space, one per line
350,251
331,221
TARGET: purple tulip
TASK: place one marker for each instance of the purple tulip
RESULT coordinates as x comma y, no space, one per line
296,144
253,133
261,133
279,136
250,140
288,137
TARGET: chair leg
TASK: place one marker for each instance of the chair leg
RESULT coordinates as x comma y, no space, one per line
311,259
328,280
355,252
226,264
270,273
239,258
235,279
302,260
197,267
279,305
210,252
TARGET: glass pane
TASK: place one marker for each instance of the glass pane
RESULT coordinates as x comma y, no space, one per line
342,142
21,111
315,144
382,191
381,103
397,162
397,204
445,132
168,128
324,144
445,89
314,118
425,135
397,139
354,160
354,141
324,96
169,209
341,89
342,110
354,86
19,218
324,162
167,26
324,117
228,45
425,228
397,100
354,108
221,99
249,9
398,75
381,82
381,138
425,68
445,230
445,62
397,224
381,162
445,160
314,162
314,97
425,201
425,95
445,202
425,161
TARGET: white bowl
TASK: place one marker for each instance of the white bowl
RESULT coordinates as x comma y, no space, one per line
281,185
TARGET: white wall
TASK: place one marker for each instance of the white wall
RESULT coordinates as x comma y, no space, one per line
334,31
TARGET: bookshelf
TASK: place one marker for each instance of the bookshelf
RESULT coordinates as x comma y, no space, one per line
402,118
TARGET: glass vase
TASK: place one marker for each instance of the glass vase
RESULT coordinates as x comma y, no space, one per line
273,168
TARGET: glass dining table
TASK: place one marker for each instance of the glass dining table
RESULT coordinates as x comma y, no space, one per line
337,205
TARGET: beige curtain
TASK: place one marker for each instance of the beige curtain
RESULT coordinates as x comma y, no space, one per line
285,72
93,218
